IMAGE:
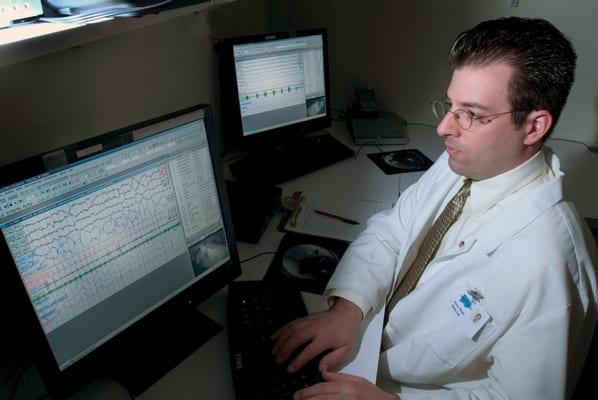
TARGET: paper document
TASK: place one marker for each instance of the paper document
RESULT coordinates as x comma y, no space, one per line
365,362
333,217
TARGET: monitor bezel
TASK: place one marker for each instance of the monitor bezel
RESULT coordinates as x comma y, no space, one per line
62,383
231,114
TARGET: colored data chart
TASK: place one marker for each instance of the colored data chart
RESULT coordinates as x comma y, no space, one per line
82,250
270,82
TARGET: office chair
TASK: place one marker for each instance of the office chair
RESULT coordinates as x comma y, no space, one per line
587,379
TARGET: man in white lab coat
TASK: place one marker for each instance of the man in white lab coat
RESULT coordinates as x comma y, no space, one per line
506,307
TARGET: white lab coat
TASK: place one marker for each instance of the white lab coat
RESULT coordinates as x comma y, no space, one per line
533,263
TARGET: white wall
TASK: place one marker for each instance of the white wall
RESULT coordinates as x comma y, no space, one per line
399,48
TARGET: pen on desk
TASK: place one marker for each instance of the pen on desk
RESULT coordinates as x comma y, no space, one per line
344,219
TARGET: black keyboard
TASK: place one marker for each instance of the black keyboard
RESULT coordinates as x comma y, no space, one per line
291,161
255,310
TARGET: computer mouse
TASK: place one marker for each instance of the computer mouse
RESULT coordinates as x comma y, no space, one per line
408,160
318,266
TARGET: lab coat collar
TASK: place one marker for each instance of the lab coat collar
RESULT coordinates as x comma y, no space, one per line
487,192
516,216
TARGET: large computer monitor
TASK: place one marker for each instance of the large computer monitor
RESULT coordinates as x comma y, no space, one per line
112,242
275,86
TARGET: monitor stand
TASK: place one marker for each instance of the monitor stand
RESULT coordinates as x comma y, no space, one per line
153,348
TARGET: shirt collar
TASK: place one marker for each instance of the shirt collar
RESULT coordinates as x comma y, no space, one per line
486,193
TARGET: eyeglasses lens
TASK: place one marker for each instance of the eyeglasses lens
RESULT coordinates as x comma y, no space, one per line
440,109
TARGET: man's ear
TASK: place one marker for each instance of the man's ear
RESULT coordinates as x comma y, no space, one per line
537,125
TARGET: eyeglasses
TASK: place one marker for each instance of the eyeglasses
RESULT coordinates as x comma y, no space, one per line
463,117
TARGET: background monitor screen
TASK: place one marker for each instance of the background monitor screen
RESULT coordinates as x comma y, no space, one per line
137,218
280,82
276,83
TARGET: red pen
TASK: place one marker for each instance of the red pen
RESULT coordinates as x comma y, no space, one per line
344,219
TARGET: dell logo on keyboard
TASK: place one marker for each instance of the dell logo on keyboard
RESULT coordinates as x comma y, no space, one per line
238,361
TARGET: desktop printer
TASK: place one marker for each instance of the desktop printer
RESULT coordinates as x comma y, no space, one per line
386,128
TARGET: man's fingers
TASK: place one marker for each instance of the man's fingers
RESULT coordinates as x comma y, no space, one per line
282,335
338,376
320,389
290,346
334,358
309,352
284,330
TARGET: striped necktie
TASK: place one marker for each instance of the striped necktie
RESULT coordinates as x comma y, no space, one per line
430,245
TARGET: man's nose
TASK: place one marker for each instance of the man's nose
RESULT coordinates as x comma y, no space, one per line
448,126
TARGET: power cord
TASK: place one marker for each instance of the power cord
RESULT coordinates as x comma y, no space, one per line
421,124
257,255
232,158
371,143
19,370
17,380
593,149
16,369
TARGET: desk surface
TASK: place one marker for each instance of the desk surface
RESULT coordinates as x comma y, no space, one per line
207,372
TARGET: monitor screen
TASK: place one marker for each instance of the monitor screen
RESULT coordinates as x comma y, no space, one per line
116,227
277,83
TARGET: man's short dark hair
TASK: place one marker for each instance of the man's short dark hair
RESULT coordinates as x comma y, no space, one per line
543,58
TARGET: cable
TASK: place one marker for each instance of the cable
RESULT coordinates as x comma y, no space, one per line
233,158
593,149
16,369
15,384
131,395
421,124
24,365
257,255
24,362
367,144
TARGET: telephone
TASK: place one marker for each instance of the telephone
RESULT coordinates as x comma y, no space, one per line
369,125
366,103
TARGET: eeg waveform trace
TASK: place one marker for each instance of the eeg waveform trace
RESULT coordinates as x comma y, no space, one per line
83,250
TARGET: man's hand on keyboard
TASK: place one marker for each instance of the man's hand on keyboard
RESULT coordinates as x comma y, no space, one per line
342,387
335,330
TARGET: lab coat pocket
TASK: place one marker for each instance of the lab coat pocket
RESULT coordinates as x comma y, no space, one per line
453,345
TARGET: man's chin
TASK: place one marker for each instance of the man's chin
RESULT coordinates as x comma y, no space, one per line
456,167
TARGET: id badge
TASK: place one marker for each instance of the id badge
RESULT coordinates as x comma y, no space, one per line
471,315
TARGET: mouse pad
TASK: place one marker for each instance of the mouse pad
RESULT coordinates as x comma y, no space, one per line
395,162
292,265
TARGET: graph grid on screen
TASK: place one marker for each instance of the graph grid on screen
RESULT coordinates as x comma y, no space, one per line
280,82
102,241
83,251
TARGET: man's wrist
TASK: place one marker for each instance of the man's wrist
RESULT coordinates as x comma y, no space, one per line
348,307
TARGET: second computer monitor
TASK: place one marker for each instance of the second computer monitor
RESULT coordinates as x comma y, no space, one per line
277,85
